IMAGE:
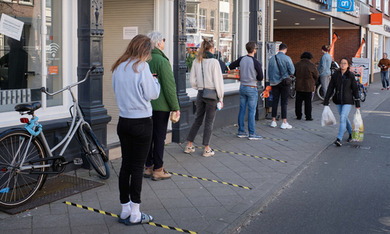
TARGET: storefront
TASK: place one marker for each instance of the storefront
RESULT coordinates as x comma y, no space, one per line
47,54
225,22
380,43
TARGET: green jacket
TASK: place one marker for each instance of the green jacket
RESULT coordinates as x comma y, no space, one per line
167,101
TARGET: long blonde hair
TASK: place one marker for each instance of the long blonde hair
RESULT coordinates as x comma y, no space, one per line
205,46
139,49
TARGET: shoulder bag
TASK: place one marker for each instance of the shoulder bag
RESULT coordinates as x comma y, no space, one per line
210,94
286,81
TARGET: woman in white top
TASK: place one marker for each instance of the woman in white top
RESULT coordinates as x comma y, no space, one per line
205,73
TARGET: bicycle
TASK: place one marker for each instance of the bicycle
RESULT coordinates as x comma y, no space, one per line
361,88
293,92
26,158
320,93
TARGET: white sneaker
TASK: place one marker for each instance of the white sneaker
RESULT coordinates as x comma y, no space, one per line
285,126
273,124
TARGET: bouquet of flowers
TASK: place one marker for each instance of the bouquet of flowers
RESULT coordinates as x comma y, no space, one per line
190,57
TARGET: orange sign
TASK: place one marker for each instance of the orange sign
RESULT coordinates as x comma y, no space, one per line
376,19
53,70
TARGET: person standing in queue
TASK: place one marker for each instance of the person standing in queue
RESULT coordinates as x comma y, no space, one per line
324,67
306,75
134,87
346,94
384,64
205,73
162,106
280,68
250,74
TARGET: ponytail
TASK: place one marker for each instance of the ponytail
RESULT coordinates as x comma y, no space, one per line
205,46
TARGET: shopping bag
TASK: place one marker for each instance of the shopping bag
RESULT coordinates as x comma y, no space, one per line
357,127
327,117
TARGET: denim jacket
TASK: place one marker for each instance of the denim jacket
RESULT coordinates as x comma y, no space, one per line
324,66
286,67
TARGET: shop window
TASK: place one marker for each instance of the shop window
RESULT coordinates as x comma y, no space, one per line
369,2
202,19
212,20
386,7
222,34
378,4
21,58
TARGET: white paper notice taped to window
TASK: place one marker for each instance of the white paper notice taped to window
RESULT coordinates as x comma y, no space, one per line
129,32
11,27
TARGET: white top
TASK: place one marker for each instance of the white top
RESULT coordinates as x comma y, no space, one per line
212,76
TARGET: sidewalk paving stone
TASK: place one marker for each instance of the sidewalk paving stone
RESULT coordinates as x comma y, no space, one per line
193,204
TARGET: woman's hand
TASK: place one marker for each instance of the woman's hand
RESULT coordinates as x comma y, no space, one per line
221,104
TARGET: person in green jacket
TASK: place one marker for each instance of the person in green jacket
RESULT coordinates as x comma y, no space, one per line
162,106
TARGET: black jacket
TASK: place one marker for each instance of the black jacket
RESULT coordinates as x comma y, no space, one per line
346,89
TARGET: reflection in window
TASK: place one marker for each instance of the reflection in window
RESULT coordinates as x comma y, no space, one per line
21,59
224,22
192,18
378,4
386,7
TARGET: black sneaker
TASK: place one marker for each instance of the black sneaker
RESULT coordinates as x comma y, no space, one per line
338,142
349,138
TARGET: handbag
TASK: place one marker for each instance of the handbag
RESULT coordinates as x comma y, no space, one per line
286,81
174,118
210,94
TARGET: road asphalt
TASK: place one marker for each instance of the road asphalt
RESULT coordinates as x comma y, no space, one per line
205,195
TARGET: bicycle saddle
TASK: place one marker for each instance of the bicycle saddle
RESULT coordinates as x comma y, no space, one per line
28,107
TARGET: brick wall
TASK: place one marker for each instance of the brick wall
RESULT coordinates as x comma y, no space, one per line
301,40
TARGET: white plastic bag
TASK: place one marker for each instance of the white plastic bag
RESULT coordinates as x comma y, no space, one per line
327,117
357,127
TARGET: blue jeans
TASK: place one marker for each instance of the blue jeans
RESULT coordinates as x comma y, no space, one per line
385,78
248,96
344,121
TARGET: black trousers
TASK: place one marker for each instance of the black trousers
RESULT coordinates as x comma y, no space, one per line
156,152
303,97
135,136
282,91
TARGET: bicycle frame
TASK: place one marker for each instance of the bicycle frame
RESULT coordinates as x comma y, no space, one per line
76,116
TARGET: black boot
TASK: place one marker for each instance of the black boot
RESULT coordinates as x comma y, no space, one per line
338,142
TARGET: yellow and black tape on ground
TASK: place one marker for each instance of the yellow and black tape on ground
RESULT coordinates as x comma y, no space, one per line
117,216
249,155
215,181
269,138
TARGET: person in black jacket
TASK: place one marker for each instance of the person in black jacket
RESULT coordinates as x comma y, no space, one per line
346,94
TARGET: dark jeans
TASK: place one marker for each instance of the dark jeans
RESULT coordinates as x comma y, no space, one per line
156,152
303,97
282,91
135,136
203,107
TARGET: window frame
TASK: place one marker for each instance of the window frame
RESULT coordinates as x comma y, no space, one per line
378,5
212,23
202,19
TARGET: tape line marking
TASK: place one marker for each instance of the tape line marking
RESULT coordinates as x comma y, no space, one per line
249,155
269,138
311,129
117,216
215,181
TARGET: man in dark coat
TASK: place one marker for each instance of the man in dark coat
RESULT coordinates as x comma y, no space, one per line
307,75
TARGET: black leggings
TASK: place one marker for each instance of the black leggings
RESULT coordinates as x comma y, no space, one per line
135,136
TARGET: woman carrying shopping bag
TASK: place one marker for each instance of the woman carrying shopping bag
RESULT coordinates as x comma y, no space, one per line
346,94
206,77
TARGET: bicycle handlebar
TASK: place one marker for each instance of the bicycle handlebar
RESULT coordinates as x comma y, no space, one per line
43,89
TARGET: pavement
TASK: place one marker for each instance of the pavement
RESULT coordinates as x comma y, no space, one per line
205,195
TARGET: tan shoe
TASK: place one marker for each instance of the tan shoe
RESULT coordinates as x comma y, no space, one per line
208,153
188,150
148,171
160,174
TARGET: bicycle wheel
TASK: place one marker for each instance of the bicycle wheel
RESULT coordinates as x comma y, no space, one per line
320,92
95,153
293,92
18,186
362,96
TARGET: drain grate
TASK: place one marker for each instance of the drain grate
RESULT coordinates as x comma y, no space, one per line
54,189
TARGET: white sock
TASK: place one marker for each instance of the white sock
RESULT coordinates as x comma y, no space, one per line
135,213
126,210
